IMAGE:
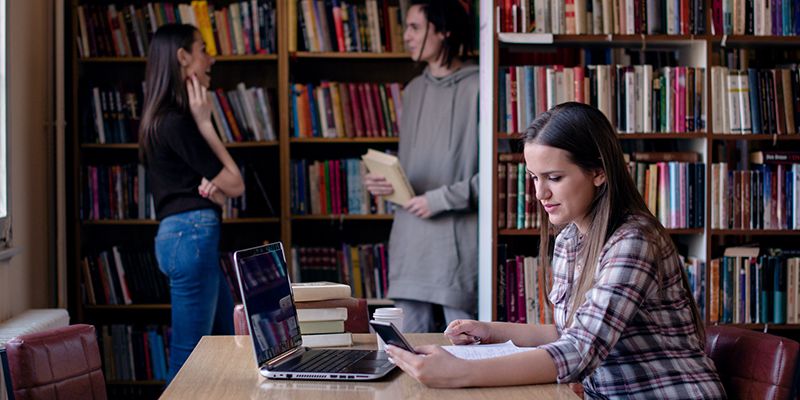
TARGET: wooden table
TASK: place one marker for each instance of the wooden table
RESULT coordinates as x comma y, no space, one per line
223,367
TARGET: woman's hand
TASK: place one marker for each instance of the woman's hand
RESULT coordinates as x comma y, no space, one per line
206,188
377,185
434,366
418,206
198,101
468,331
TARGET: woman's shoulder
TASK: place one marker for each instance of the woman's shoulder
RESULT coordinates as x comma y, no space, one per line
641,231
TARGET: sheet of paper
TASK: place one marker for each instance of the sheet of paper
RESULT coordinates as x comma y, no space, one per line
481,351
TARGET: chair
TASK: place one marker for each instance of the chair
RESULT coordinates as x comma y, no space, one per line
62,363
753,365
357,315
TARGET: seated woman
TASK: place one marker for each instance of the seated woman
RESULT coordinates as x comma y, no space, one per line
626,325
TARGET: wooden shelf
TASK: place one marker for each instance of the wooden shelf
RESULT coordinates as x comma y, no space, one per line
135,146
736,136
761,327
219,58
126,222
128,307
621,136
754,232
350,55
741,40
350,140
518,232
685,231
548,39
344,217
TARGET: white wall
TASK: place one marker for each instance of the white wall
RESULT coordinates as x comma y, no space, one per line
25,279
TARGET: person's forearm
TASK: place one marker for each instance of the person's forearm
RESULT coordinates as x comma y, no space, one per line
530,367
523,335
231,182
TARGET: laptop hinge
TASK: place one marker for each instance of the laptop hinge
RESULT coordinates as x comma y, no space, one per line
285,356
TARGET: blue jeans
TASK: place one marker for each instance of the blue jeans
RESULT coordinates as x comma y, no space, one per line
187,252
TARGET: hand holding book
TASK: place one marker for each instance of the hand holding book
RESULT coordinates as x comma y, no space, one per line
386,177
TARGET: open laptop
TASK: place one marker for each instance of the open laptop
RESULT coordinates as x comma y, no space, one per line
274,330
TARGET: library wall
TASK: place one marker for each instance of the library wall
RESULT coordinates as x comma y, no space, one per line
25,280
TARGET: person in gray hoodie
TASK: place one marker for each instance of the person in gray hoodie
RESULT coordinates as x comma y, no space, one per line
433,246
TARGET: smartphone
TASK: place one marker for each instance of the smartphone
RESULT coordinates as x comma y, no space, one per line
390,335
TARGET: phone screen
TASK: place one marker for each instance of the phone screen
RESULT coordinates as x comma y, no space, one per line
391,335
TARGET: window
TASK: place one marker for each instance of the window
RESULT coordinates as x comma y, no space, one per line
4,217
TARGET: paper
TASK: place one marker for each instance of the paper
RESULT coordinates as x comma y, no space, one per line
481,351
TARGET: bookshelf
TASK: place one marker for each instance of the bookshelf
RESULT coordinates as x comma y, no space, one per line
713,144
276,71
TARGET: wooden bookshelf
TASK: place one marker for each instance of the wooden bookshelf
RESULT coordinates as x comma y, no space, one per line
312,55
511,49
348,140
344,217
135,146
218,58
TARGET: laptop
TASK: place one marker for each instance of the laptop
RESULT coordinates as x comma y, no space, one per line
274,330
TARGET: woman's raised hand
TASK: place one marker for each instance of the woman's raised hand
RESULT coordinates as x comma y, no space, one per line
198,101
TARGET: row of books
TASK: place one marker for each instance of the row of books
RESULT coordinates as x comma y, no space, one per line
243,115
115,192
516,199
332,187
123,276
756,17
522,287
364,267
602,17
636,99
674,191
347,26
326,313
765,197
244,27
115,116
695,269
346,109
756,100
746,288
134,353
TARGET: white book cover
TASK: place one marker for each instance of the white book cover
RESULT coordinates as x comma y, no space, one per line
322,314
315,291
328,340
647,98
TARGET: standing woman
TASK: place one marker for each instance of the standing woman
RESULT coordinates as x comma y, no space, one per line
433,244
190,174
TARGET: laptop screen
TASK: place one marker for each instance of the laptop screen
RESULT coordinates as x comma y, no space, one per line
267,296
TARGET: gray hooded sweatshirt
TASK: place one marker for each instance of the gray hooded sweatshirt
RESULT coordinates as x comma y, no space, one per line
436,260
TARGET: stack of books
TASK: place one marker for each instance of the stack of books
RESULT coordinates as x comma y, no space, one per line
322,313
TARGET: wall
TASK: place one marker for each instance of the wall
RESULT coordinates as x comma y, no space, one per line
25,280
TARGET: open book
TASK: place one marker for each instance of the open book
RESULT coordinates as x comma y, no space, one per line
389,167
481,351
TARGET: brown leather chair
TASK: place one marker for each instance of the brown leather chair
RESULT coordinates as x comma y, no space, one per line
753,365
62,363
357,314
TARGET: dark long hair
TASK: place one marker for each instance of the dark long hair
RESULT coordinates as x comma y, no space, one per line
586,134
163,86
449,16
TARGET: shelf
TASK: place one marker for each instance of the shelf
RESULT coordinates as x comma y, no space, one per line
518,232
344,217
755,232
547,39
350,55
621,136
380,302
135,146
218,58
128,307
736,136
685,231
743,40
761,327
351,140
125,222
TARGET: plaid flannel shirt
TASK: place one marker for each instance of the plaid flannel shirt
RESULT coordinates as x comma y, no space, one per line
629,339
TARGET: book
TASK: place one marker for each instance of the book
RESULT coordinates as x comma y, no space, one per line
357,315
316,327
389,167
775,157
321,314
313,291
328,340
485,350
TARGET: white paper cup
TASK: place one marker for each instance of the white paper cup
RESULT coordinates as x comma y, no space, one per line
388,314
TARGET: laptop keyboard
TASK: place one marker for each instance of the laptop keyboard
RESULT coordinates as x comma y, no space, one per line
330,361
